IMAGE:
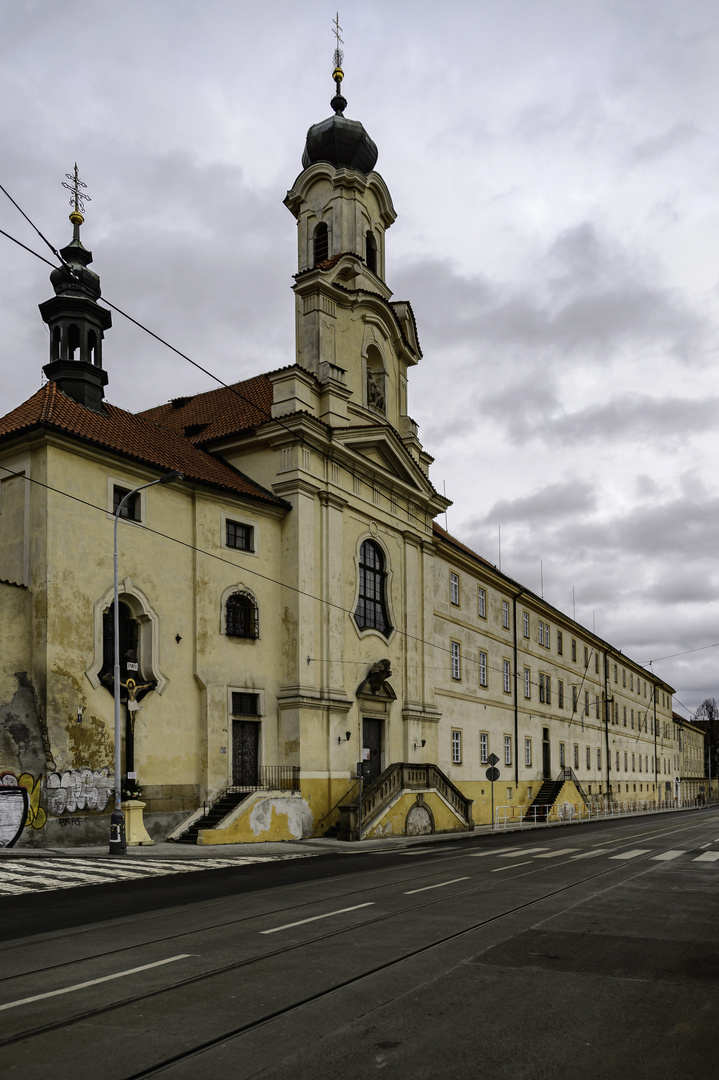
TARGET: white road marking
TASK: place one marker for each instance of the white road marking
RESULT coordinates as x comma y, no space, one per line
483,854
667,856
93,982
554,854
441,885
708,856
631,854
523,851
592,854
707,845
511,866
314,918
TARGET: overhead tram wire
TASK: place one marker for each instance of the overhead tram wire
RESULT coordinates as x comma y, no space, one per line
141,326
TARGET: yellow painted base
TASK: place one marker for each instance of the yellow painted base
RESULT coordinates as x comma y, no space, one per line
264,818
135,831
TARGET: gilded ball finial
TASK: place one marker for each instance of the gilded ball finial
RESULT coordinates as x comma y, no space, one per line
76,217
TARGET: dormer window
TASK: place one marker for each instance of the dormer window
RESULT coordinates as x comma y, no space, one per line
321,243
371,251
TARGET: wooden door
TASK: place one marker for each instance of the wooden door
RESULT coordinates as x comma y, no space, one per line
245,741
546,755
372,741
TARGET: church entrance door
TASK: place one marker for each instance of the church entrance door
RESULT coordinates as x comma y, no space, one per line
372,741
245,741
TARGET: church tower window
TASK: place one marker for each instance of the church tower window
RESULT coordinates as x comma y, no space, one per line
321,243
371,610
371,251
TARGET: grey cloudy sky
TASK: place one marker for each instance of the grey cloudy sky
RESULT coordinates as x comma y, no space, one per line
555,168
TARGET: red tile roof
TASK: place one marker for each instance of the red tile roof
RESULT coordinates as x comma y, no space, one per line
444,535
216,413
132,436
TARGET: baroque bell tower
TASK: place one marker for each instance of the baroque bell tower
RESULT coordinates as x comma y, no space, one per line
76,321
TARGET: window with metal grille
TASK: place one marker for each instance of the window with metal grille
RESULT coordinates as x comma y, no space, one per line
239,536
245,704
241,616
371,612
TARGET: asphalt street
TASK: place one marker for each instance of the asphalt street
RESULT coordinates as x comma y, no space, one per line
552,953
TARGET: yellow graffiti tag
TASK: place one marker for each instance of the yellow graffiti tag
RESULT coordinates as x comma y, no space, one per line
36,815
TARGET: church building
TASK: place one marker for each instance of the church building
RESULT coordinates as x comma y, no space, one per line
288,605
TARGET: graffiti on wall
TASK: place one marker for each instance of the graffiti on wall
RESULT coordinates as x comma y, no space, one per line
19,806
78,789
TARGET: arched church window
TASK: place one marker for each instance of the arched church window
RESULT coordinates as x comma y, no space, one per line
375,380
73,340
56,343
321,243
371,251
241,616
129,644
371,611
92,347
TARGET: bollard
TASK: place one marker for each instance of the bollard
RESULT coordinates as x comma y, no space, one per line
118,840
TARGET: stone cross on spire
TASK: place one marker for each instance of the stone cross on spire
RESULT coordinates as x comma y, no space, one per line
338,103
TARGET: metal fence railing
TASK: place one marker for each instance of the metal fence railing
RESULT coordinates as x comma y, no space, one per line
566,812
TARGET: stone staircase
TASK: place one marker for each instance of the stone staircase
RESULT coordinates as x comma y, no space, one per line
218,810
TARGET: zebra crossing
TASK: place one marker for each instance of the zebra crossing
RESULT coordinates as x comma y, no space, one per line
20,875
622,856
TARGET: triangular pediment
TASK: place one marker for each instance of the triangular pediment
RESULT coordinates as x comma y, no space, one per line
379,448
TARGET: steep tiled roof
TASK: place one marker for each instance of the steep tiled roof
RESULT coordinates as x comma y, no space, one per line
219,412
132,436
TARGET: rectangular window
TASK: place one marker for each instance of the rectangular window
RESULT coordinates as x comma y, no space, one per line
482,602
527,683
615,672
624,714
238,536
560,694
549,690
617,761
640,763
586,657
546,636
505,614
633,766
632,717
483,747
541,632
541,688
574,699
456,660
626,761
599,760
561,756
507,749
483,669
589,758
624,676
574,650
596,705
506,676
131,510
454,588
586,703
456,747
631,680
596,662
576,755
560,643
527,752
245,704
525,621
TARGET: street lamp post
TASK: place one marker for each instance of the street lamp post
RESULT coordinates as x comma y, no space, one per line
118,842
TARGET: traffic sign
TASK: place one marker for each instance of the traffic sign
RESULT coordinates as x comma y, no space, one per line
492,774
493,759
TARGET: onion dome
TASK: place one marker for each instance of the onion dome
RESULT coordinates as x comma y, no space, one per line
341,142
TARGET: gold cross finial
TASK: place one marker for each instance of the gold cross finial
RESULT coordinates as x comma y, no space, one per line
339,55
78,198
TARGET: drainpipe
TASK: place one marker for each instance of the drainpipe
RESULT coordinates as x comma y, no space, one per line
606,721
656,759
516,705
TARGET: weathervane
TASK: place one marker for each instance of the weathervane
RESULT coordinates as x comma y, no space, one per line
78,198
